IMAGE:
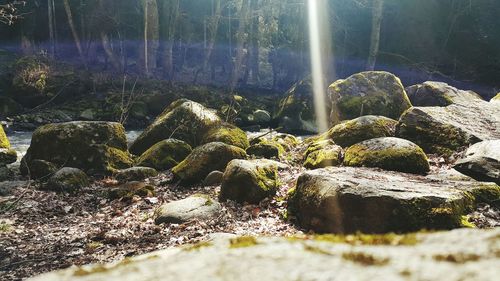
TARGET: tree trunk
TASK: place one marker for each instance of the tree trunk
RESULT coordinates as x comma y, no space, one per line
240,44
377,14
254,48
170,14
51,17
213,28
74,32
151,35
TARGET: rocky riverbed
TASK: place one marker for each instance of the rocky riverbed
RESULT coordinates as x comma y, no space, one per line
394,161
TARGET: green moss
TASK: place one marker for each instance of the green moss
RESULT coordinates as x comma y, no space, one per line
228,134
205,159
317,250
5,227
459,258
164,154
360,129
486,193
365,259
243,242
496,98
4,141
323,158
410,160
197,246
369,239
464,222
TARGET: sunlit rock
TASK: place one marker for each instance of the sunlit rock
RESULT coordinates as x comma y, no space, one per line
432,93
481,161
362,128
347,200
205,159
367,93
249,181
196,207
165,154
391,154
183,119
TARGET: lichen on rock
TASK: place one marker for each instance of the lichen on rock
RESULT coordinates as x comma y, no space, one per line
165,154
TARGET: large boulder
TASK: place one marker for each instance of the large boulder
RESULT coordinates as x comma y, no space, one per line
444,130
183,119
165,154
296,109
205,159
462,254
481,161
362,128
433,93
392,154
367,93
196,207
346,200
249,181
228,134
95,147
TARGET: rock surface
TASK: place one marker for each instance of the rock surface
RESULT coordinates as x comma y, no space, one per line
228,134
296,110
362,128
68,180
135,174
367,93
264,150
420,257
444,130
249,181
95,147
347,200
7,156
205,159
214,178
196,207
165,154
433,93
481,161
391,154
323,154
183,119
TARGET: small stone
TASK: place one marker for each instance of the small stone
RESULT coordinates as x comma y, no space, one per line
196,207
264,150
68,180
261,116
129,190
481,161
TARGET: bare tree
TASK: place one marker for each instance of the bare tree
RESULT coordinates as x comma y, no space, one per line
9,12
71,23
377,15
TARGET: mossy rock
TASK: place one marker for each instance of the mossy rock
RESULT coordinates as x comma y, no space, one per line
183,119
127,191
68,180
4,141
496,98
38,169
367,93
264,150
287,141
296,112
135,174
362,128
7,156
228,134
323,154
433,93
205,159
392,154
249,181
165,154
349,200
95,147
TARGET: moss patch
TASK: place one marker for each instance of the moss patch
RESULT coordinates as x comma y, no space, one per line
4,141
365,259
243,242
165,154
227,134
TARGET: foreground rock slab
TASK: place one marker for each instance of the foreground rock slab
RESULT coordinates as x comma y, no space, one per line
435,256
347,200
481,161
